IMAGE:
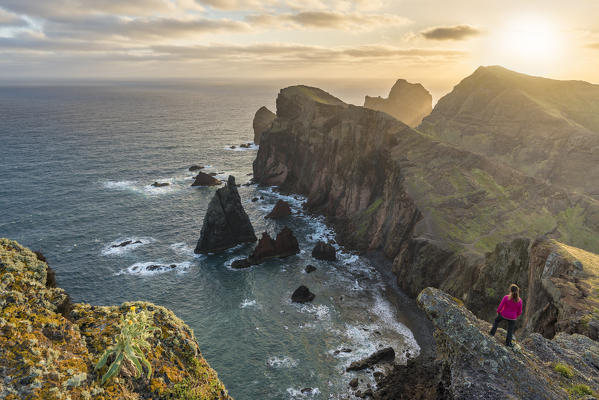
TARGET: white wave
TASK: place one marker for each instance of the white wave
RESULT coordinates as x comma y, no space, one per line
384,310
247,303
297,393
154,268
117,251
120,185
238,148
281,362
320,311
183,249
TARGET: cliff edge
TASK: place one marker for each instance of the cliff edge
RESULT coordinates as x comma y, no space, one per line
49,347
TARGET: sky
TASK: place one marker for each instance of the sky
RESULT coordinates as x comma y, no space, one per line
436,43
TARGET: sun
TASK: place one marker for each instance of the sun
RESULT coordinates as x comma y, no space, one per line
525,43
531,38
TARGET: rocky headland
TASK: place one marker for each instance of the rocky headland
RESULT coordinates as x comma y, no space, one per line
262,122
445,217
408,102
49,347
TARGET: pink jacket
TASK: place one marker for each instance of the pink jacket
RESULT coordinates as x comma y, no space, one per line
510,309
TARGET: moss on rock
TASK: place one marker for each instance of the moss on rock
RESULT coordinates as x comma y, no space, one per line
45,354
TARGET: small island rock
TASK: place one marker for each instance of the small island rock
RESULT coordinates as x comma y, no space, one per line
324,251
226,224
280,210
203,179
302,295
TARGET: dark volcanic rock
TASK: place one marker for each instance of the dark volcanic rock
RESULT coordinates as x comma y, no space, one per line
302,295
284,245
280,210
194,168
262,122
310,268
241,263
126,243
226,223
160,184
203,179
383,355
324,251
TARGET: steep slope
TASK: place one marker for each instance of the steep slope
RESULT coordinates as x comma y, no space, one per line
545,128
408,102
447,218
49,347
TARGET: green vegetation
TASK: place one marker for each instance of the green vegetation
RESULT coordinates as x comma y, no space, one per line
580,390
135,330
564,370
490,292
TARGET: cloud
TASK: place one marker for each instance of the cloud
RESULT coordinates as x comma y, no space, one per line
326,20
456,32
10,20
593,46
66,8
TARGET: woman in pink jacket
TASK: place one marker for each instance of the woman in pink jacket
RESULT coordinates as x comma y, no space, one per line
509,309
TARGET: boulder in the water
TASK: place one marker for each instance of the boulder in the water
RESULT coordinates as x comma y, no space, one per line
160,184
241,263
302,295
126,243
203,179
383,355
324,251
284,245
194,168
226,223
280,210
310,268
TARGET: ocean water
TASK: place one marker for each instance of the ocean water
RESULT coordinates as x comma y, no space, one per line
76,167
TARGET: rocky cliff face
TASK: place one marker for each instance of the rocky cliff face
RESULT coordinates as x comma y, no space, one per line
262,122
473,365
49,347
408,102
447,217
545,128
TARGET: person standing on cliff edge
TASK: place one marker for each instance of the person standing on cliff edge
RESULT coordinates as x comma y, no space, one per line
509,309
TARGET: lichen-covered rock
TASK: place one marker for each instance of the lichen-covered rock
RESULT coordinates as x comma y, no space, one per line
46,354
408,102
226,224
262,122
479,366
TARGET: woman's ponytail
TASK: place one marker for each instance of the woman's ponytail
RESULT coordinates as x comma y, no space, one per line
514,292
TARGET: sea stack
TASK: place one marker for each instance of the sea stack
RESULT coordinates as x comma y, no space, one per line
226,223
407,102
262,122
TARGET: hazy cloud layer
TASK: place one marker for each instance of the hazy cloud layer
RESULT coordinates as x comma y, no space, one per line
8,19
457,32
327,20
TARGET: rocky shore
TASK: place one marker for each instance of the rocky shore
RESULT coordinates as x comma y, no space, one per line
49,346
448,218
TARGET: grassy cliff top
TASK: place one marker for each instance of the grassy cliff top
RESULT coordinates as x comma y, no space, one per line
49,347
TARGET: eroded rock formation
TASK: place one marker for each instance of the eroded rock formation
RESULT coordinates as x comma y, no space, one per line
203,179
262,122
280,210
48,351
284,245
226,223
408,102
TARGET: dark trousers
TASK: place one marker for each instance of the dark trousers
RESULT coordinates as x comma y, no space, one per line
510,328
